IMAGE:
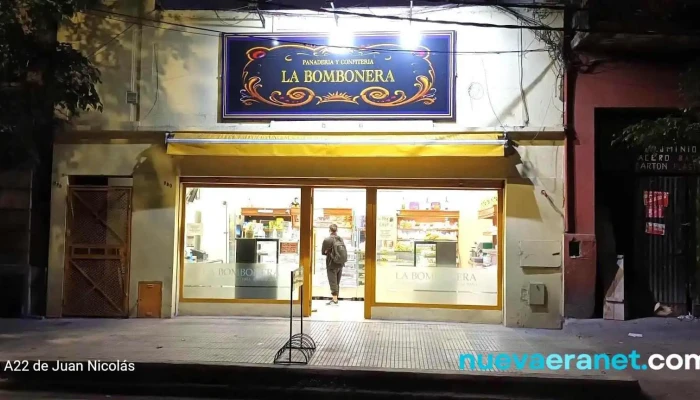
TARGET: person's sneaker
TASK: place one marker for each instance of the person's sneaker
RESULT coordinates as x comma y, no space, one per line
332,303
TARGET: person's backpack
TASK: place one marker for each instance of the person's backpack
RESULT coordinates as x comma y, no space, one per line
339,254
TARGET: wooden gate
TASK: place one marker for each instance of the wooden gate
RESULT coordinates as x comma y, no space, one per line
96,274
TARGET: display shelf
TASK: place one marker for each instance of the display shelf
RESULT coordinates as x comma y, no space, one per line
416,226
490,211
428,214
430,221
485,253
271,214
430,229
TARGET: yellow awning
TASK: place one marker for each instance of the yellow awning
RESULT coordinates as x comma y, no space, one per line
336,145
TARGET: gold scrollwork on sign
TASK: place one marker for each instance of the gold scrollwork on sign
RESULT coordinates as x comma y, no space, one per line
294,97
299,96
337,97
381,97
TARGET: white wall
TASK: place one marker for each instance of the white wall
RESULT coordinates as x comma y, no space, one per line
534,213
176,73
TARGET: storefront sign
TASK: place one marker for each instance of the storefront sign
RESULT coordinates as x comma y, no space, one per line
668,159
299,76
237,281
238,274
436,285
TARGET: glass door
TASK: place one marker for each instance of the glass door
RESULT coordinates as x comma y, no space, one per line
345,209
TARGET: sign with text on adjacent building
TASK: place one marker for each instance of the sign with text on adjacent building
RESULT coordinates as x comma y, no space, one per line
299,76
669,159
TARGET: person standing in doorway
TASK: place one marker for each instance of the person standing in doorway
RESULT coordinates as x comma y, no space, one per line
333,248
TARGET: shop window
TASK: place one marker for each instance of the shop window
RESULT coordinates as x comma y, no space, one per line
240,243
437,247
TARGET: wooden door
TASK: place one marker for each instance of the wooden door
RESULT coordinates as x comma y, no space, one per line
96,274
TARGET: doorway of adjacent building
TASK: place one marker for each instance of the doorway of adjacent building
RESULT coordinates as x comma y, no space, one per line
647,215
96,274
346,209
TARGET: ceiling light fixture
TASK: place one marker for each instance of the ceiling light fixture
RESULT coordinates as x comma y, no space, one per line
411,36
340,41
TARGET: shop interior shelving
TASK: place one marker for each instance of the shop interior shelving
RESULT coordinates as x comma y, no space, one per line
263,215
420,226
289,250
487,249
490,212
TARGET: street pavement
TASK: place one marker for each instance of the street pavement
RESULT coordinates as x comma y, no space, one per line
658,336
426,347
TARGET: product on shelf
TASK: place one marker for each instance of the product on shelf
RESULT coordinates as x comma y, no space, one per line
403,246
428,225
421,225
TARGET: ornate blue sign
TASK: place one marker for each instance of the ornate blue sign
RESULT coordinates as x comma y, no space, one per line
302,77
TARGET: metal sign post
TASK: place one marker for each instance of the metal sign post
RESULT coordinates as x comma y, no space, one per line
300,343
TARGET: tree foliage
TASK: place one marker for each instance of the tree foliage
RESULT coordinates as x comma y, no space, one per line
682,129
43,82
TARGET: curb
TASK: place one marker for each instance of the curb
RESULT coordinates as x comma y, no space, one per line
270,381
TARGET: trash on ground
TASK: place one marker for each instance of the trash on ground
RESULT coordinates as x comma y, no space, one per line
662,310
688,317
635,335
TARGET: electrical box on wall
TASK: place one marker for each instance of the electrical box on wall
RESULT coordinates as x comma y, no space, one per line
132,97
536,294
150,300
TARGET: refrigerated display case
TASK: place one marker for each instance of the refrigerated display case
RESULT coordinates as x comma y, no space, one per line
256,251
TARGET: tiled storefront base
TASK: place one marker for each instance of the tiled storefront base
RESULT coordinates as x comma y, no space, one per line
437,315
234,309
345,311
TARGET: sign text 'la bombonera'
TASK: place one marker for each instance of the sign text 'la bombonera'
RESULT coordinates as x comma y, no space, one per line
301,77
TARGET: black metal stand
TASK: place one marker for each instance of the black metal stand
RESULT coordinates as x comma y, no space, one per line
300,347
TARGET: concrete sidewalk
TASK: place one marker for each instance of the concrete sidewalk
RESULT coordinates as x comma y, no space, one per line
389,345
368,344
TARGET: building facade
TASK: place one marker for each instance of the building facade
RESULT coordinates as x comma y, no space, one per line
628,75
231,141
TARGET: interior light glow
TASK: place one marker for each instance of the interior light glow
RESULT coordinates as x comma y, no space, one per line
411,38
340,41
